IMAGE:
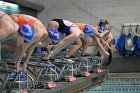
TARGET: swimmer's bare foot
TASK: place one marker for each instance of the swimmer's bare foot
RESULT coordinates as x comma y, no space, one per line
68,59
18,68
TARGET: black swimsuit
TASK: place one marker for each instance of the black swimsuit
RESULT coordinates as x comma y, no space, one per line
62,27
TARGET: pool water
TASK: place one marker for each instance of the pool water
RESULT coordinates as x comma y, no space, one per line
117,84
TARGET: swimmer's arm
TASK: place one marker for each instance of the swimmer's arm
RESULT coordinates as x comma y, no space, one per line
106,44
100,34
93,42
136,34
46,40
50,47
85,46
99,43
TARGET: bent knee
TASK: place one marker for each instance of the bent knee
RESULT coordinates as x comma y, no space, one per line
62,42
78,43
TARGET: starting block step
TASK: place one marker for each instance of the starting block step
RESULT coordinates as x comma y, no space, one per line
22,77
70,70
40,64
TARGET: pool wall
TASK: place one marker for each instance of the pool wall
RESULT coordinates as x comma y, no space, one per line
72,87
125,65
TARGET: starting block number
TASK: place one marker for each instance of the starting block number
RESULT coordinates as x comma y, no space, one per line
87,74
71,78
51,85
98,70
23,91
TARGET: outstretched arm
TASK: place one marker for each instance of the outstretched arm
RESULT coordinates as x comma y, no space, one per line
99,34
100,45
65,42
136,34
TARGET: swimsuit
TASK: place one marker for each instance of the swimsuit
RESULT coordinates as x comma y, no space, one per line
62,27
22,20
81,27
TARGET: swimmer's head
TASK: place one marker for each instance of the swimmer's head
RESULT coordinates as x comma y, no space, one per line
103,25
88,30
54,34
26,32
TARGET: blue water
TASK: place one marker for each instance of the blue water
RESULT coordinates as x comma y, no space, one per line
120,85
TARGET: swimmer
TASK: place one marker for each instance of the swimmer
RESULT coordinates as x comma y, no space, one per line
30,32
96,37
73,35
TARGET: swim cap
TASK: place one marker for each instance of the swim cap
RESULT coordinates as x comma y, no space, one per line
88,30
54,34
101,28
26,32
115,41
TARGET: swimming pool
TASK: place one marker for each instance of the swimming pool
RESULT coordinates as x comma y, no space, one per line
117,83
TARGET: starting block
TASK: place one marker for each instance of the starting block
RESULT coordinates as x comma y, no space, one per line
12,77
96,62
83,66
67,69
46,72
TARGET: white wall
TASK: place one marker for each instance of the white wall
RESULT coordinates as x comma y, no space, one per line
90,11
116,11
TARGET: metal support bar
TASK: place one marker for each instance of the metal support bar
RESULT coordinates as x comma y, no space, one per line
132,24
4,83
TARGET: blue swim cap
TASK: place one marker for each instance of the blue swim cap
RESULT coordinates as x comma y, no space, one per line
101,29
26,32
88,30
54,34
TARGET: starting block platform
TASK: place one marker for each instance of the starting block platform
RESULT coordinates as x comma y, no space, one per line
83,66
10,77
67,69
46,74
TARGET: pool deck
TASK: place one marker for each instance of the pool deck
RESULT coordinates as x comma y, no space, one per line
72,87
